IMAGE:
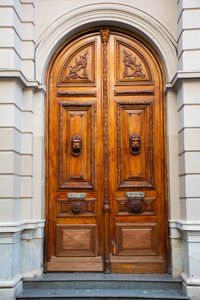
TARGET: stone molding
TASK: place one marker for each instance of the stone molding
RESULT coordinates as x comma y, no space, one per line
188,226
18,75
189,280
185,226
10,283
124,15
175,233
182,76
189,231
14,227
16,233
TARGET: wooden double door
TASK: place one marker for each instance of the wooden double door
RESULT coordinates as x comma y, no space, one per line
105,161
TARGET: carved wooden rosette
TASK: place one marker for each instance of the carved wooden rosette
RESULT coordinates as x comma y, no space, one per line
76,207
106,206
135,204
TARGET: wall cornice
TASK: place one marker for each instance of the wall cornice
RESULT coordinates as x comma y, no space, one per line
18,75
187,226
181,76
15,227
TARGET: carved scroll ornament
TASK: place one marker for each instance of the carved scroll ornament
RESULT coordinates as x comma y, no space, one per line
134,143
131,68
79,71
76,145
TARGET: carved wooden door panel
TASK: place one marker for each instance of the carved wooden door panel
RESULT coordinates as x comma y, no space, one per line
136,159
105,154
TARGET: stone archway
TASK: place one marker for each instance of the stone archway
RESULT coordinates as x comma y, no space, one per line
120,15
102,14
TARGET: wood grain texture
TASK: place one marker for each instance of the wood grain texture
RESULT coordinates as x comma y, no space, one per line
67,93
105,87
135,92
134,117
136,110
106,204
77,264
77,68
77,119
64,206
149,207
136,239
76,240
131,64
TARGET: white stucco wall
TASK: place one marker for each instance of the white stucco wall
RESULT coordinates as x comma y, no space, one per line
165,12
30,32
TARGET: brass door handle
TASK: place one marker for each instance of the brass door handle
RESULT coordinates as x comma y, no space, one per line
134,143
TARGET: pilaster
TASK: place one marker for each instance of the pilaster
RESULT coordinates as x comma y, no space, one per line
21,233
187,83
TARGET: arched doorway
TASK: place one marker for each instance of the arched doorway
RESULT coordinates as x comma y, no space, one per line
106,162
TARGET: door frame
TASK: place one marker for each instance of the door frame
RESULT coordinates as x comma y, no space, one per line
46,135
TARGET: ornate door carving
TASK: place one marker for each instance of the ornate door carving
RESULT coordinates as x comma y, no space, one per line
105,157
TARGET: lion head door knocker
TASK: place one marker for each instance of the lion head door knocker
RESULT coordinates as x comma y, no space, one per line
134,143
76,145
135,202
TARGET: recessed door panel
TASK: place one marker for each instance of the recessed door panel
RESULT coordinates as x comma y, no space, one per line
131,65
134,239
77,145
77,68
135,144
76,240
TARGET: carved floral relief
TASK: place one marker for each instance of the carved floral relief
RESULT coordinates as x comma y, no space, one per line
131,65
79,69
79,66
131,68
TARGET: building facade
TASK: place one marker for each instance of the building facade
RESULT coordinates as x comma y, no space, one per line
32,32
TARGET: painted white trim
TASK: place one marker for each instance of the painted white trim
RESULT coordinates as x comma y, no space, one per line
32,273
180,76
104,13
10,283
190,280
184,225
18,75
14,227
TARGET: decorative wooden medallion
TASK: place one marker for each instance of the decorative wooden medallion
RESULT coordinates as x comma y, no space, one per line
76,207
